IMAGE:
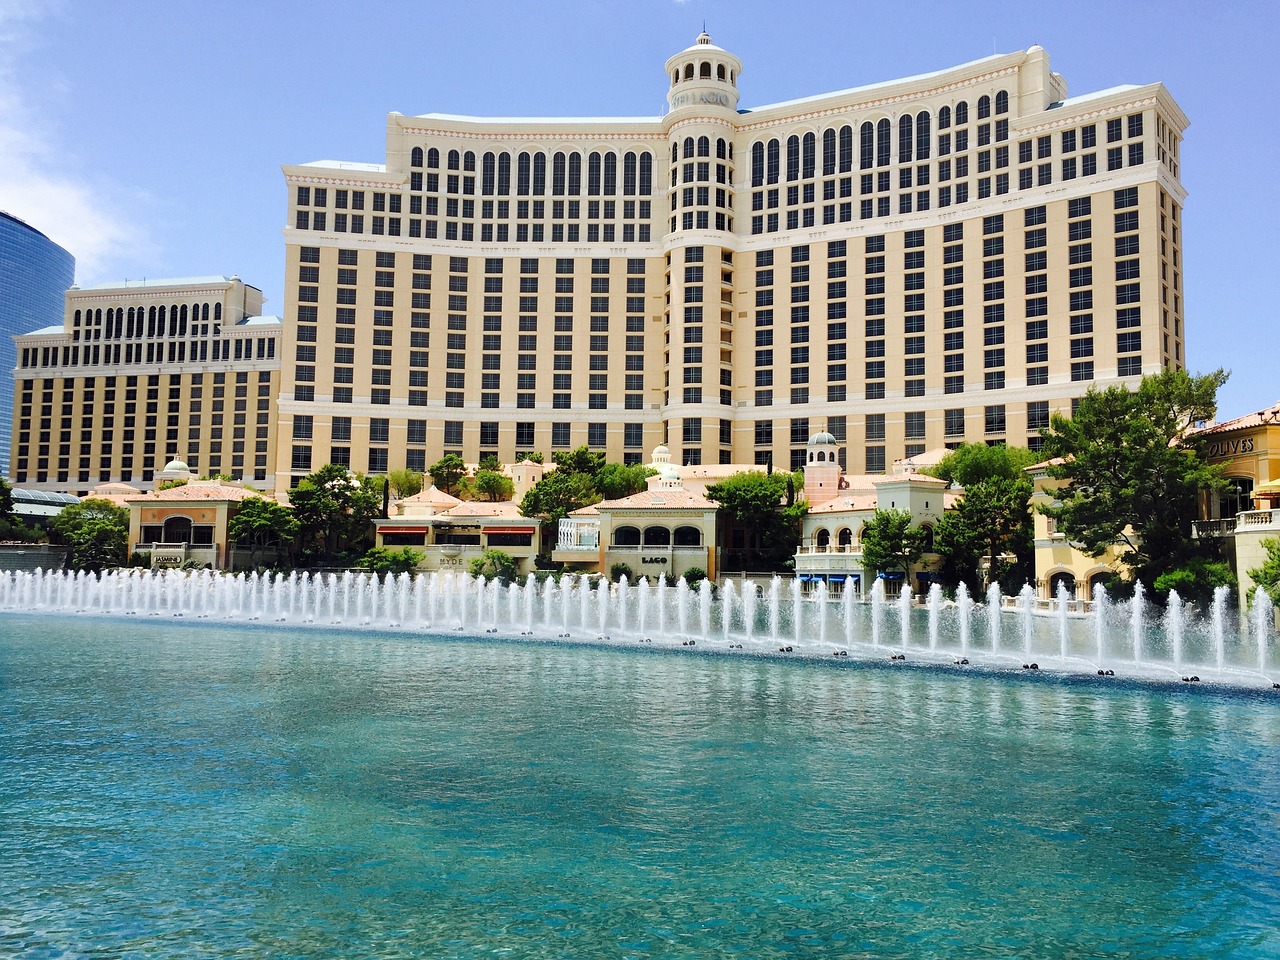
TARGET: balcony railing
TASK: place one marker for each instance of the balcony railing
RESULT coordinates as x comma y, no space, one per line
1245,520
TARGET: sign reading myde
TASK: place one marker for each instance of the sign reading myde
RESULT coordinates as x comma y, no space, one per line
1229,448
712,97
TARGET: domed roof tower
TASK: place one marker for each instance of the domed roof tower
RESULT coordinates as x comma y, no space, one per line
821,468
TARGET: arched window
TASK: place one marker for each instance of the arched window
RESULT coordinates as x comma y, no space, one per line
722,149
793,158
774,160
866,146
539,174
984,107
504,174
523,175
469,162
1062,579
675,76
757,164
455,160
922,135
688,71
177,530
675,151
610,174
415,158
719,71
626,537
593,174
557,175
1237,496
704,70
488,173
657,537
704,146
688,148
688,537
629,174
828,152
905,139
646,174
433,159
883,147
575,174
962,113
823,539
217,311
928,537
944,118
844,537
808,151
1002,102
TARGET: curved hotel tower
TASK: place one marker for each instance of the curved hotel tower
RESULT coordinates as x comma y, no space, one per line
34,274
907,265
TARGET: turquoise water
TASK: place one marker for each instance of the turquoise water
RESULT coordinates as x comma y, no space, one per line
201,791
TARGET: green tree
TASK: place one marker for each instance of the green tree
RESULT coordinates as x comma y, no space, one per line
971,462
97,532
992,520
890,543
386,560
615,480
334,509
1196,579
261,524
558,494
760,519
447,472
493,486
405,483
489,462
1267,576
494,564
582,460
1133,471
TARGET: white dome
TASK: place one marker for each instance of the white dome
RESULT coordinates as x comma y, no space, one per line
176,466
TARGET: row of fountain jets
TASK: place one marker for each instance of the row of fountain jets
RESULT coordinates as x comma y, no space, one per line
738,615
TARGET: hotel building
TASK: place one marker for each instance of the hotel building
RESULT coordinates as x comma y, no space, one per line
907,265
34,274
143,373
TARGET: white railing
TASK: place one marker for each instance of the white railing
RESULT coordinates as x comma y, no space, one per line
1256,519
813,548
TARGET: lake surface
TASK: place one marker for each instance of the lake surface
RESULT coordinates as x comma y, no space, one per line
206,791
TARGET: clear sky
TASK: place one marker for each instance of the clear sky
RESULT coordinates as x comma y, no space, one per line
146,136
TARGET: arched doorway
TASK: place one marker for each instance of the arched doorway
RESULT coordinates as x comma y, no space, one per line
688,537
177,530
626,537
657,537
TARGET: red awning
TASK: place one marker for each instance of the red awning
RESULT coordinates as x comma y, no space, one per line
509,529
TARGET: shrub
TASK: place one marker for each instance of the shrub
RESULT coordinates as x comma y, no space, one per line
620,570
694,576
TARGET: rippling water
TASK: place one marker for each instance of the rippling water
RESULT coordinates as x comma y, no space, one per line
191,790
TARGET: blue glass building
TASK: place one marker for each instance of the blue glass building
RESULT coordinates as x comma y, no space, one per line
34,275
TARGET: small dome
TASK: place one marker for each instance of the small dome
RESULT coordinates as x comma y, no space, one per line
176,466
822,437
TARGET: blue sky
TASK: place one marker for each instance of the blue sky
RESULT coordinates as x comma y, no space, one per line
147,137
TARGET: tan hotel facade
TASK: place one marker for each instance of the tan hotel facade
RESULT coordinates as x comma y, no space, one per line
142,373
913,264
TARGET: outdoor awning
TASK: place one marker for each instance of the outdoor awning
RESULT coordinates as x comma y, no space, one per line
510,529
836,578
888,576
